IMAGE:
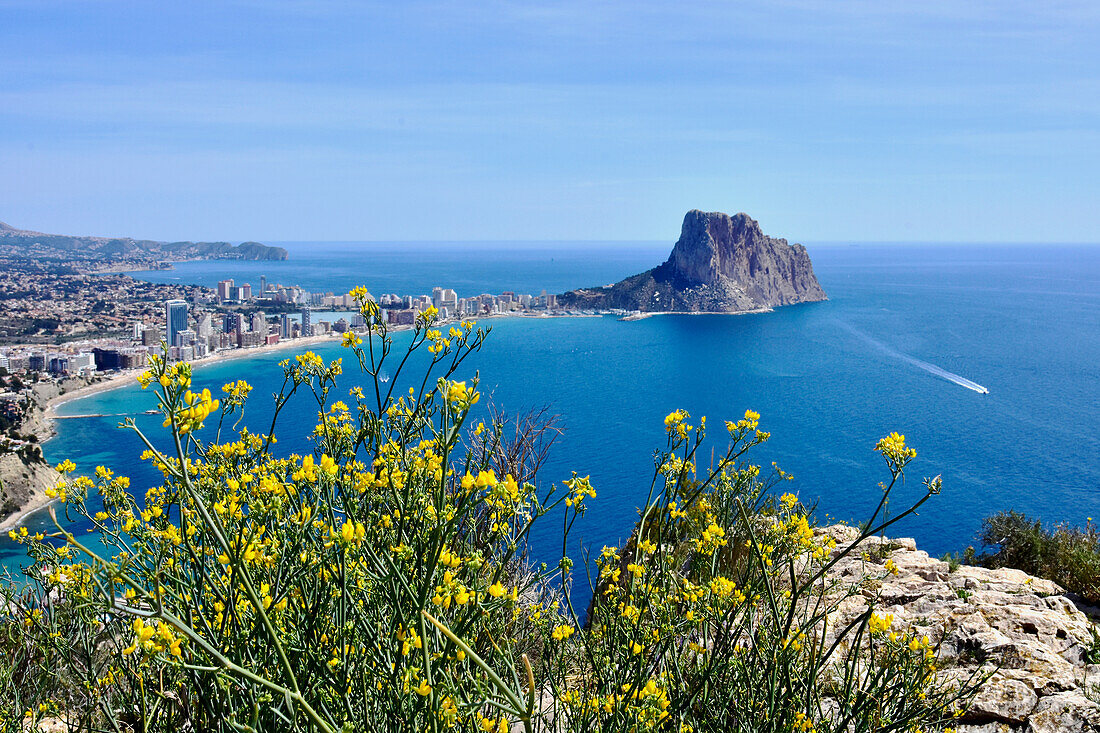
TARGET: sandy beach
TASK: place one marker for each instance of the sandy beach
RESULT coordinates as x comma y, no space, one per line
44,422
121,379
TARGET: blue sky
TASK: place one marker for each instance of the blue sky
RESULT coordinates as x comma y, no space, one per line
862,120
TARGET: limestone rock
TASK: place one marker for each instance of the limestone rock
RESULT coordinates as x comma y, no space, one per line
1003,700
1024,627
1067,712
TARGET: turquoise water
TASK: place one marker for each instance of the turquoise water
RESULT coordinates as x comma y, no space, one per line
906,327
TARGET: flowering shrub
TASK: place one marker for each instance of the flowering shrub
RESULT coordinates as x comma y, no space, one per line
379,581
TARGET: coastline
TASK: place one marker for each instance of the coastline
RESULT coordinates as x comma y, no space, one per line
44,421
121,379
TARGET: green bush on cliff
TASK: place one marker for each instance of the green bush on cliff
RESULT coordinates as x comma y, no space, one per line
1068,555
380,583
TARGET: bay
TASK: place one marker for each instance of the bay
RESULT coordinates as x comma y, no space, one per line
906,328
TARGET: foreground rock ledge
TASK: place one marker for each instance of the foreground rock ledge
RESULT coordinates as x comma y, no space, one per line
1025,625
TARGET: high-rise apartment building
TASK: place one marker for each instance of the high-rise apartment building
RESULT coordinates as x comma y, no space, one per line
307,329
175,316
234,323
444,298
150,336
224,289
206,327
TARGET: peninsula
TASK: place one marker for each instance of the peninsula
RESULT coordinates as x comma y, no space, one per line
720,264
86,253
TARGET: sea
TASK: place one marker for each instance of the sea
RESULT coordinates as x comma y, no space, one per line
986,357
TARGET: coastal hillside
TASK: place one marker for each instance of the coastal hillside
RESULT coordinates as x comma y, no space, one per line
720,264
23,243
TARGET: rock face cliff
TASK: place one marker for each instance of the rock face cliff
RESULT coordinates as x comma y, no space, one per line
720,264
1042,650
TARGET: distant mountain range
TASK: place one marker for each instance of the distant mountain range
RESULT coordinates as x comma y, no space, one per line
720,264
22,243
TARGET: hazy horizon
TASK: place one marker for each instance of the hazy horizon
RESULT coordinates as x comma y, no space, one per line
579,241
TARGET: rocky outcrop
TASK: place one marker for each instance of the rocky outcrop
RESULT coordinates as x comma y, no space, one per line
720,264
23,485
25,474
1042,647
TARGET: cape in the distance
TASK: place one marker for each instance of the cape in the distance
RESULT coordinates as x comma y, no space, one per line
24,243
720,264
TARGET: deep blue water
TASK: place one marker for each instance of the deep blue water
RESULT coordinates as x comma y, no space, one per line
829,378
411,268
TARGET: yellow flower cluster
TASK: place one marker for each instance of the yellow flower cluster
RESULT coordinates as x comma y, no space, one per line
459,396
492,725
236,392
360,295
436,342
749,422
674,423
194,410
645,705
579,488
155,638
427,316
22,534
176,375
562,632
880,624
895,451
310,361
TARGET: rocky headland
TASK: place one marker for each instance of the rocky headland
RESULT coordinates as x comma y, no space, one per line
720,264
23,484
23,243
25,475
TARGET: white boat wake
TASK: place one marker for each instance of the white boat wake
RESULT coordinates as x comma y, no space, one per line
930,368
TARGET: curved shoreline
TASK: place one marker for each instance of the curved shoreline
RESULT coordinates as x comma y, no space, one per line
45,422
